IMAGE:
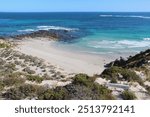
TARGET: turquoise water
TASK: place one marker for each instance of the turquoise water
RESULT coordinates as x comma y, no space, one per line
95,32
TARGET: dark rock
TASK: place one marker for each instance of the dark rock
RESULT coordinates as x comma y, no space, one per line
136,61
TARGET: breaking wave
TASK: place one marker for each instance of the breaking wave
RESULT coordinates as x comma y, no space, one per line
55,28
27,30
146,39
128,16
48,28
121,44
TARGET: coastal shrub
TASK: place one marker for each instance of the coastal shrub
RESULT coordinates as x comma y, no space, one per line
35,78
22,92
47,77
83,87
22,56
60,93
15,75
1,85
148,89
79,90
17,62
13,94
83,79
29,90
13,81
4,45
128,95
28,70
2,62
95,92
113,80
146,70
103,92
126,74
9,68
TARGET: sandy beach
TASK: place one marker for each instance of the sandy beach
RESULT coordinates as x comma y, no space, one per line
70,62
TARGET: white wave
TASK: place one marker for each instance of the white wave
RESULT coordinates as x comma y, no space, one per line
106,15
55,28
27,30
134,44
146,39
144,17
121,44
128,16
48,28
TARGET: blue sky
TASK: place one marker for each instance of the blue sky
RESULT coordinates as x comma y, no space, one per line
73,5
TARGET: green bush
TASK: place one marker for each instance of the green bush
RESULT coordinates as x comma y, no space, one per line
127,75
35,78
127,95
60,93
4,45
14,75
10,67
148,89
1,85
22,92
84,87
113,80
13,81
83,79
103,92
13,94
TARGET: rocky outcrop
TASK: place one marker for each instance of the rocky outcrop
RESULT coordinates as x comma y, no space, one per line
50,34
138,60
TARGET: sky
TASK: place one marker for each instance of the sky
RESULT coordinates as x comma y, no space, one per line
74,5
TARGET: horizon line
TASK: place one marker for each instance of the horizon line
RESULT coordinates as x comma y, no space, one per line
74,11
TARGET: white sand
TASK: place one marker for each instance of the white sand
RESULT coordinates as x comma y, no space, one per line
70,62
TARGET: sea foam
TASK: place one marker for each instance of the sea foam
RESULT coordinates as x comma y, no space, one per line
127,16
55,28
27,30
146,39
121,44
48,28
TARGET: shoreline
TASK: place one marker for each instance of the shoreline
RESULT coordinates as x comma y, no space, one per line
71,62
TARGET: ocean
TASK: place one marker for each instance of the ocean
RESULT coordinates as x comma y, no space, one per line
95,32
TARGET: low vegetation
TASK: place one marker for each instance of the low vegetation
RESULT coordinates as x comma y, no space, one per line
60,93
148,89
128,95
35,78
84,79
83,87
22,92
12,79
1,85
4,45
121,74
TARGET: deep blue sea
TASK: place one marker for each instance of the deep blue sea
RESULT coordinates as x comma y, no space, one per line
100,32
